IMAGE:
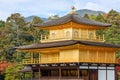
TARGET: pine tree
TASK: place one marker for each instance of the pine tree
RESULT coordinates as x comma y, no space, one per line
100,18
113,17
86,16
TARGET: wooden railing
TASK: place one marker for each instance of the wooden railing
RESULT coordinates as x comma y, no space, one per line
31,61
40,61
47,38
57,60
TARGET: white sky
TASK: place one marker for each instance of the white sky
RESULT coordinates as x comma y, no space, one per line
45,8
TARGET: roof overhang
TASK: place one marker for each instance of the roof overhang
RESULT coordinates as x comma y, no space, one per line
68,44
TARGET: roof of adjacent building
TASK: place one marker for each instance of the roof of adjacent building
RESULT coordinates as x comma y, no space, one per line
65,43
26,69
71,17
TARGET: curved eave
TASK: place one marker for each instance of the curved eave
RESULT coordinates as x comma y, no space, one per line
72,17
46,45
66,43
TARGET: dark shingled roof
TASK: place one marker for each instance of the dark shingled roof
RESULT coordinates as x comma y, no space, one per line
74,17
26,69
65,43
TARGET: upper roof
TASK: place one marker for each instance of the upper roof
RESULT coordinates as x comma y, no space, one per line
65,43
71,17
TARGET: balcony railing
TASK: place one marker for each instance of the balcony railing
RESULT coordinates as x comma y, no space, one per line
40,61
57,60
47,38
31,61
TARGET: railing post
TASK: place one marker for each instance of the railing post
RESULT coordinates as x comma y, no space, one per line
32,57
103,37
39,58
99,37
45,37
95,36
41,37
87,34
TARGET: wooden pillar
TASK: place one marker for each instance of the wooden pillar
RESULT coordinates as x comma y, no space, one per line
97,71
31,75
88,72
59,73
39,74
106,72
78,72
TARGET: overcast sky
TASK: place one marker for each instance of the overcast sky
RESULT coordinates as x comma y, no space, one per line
45,8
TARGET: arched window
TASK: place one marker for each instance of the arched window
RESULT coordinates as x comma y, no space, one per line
53,35
91,35
68,34
76,34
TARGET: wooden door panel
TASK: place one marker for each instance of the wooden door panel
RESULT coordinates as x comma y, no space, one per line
93,74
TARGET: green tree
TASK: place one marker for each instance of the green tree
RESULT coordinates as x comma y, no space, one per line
2,23
112,35
12,73
37,20
92,17
86,16
36,32
100,18
15,33
113,17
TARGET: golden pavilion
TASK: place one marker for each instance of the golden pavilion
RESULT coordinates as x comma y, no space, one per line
71,51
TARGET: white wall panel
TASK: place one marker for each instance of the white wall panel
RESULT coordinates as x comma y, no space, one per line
111,74
102,75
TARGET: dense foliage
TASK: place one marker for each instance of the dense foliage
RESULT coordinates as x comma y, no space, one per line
12,73
16,32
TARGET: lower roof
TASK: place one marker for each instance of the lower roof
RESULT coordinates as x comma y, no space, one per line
65,43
